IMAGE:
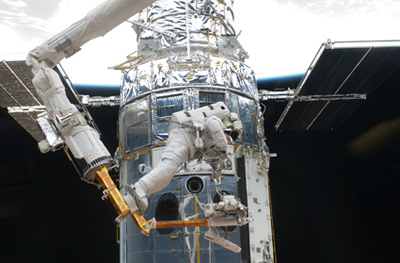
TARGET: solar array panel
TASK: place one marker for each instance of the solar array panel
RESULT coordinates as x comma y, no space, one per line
345,70
16,90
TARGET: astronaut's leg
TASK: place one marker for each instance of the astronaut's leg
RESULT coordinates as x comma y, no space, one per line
177,151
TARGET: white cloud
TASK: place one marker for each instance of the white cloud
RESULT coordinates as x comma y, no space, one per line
14,46
20,32
89,66
70,11
281,37
20,18
15,4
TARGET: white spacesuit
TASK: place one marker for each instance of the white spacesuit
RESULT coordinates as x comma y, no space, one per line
193,133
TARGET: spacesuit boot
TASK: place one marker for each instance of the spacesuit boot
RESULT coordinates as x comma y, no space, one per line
139,194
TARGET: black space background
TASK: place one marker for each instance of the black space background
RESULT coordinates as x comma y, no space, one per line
329,205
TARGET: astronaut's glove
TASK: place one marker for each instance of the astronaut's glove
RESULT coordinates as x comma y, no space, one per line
233,122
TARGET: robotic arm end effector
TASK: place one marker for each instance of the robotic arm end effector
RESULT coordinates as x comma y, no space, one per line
62,122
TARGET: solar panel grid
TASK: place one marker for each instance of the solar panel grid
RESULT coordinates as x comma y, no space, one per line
16,90
16,85
340,71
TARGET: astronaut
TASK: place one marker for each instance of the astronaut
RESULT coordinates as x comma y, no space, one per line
192,134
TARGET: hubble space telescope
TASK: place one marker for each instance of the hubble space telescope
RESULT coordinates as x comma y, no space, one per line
192,159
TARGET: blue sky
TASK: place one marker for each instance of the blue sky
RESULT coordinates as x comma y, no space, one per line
281,36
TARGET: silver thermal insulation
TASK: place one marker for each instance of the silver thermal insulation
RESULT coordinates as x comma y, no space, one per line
161,73
187,43
209,23
144,122
188,57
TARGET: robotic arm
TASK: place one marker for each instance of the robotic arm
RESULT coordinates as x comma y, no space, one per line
83,141
198,130
63,122
97,23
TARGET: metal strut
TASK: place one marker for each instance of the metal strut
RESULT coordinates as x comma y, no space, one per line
113,194
119,203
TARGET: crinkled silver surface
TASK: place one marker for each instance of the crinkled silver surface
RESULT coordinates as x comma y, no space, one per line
159,74
198,15
188,48
200,22
187,43
145,121
188,57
